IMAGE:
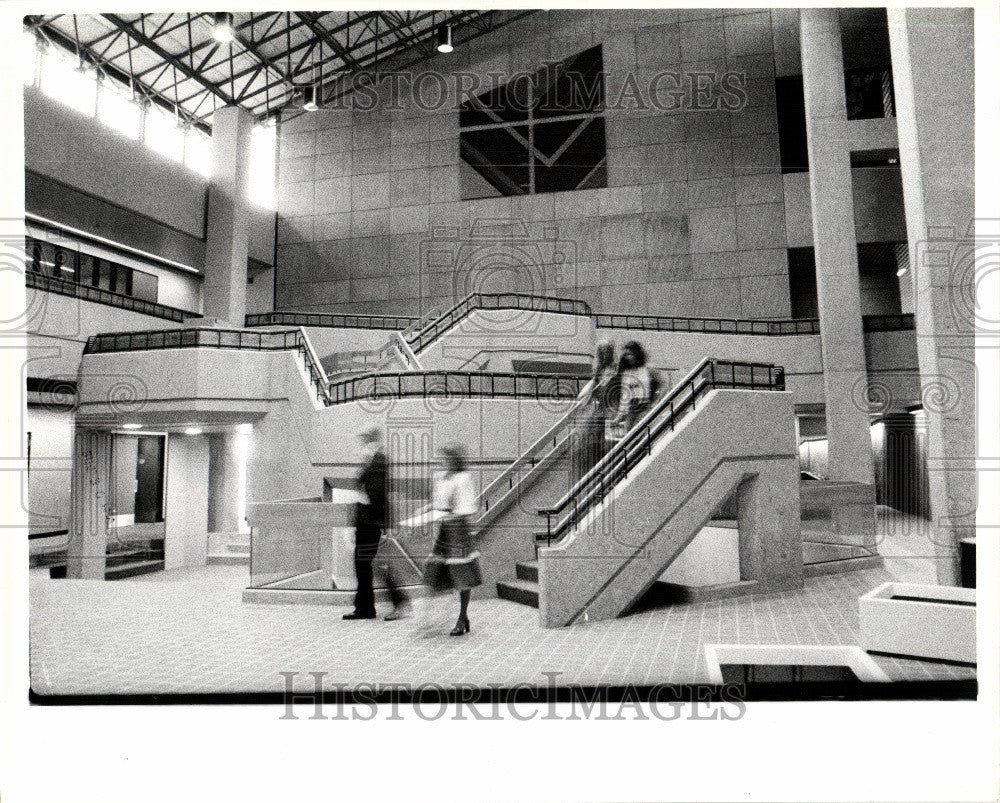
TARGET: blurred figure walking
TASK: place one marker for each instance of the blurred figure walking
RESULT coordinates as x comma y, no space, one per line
639,387
601,394
454,562
370,519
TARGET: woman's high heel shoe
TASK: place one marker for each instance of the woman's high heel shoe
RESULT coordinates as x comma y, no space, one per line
461,627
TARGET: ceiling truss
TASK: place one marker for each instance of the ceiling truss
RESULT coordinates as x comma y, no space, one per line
172,60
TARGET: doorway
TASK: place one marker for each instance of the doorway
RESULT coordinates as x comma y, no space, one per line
149,479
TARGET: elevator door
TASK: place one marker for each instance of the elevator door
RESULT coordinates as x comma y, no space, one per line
149,479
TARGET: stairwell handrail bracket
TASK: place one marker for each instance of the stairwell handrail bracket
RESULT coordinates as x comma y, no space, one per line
493,301
317,374
409,358
637,443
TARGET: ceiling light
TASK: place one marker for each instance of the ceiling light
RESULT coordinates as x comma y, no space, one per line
902,271
309,98
244,429
192,431
132,426
444,39
223,30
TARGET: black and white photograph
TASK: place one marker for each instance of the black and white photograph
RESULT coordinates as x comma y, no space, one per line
389,377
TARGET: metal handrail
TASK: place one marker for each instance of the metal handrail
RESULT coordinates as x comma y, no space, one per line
506,477
328,319
414,329
889,323
724,326
493,301
743,326
455,384
39,281
638,442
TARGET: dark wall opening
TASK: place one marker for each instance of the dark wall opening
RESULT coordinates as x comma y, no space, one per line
802,282
791,104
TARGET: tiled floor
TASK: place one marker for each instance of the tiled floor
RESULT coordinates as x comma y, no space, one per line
188,631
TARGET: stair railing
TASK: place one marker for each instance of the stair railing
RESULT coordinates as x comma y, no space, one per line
664,416
508,478
492,301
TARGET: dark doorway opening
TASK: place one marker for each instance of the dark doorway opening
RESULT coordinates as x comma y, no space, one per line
149,479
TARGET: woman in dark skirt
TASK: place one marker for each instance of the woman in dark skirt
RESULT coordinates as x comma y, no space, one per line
454,562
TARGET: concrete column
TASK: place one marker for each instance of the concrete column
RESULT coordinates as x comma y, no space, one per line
845,376
932,67
225,287
223,484
186,531
91,492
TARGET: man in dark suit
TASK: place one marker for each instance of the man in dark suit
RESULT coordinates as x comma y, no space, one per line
370,519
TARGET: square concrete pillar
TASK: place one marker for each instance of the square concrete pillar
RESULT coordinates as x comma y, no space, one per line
91,491
186,538
932,67
845,376
228,230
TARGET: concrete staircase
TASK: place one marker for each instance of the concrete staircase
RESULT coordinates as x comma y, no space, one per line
733,440
229,549
523,587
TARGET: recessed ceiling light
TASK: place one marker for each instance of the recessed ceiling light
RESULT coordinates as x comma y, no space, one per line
132,426
192,431
223,30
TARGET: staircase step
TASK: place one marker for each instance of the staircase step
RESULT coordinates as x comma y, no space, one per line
133,569
522,591
229,559
126,556
527,570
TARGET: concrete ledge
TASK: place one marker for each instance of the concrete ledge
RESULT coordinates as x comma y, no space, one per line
675,592
290,596
793,654
229,559
938,622
841,566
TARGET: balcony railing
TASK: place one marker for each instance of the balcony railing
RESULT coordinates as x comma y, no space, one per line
332,320
638,442
456,384
737,326
39,281
889,323
414,383
193,338
723,326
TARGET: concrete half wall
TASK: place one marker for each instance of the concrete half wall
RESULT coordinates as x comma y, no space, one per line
735,439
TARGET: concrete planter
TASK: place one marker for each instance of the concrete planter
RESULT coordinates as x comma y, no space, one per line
924,621
863,667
